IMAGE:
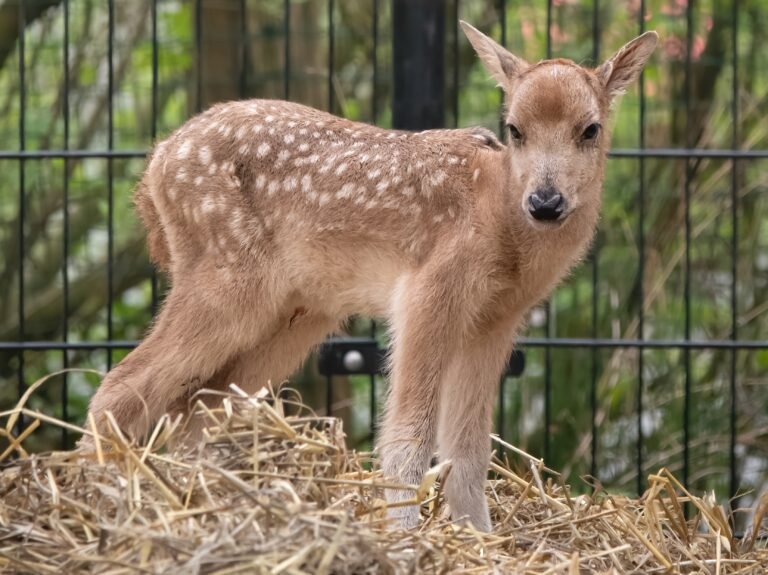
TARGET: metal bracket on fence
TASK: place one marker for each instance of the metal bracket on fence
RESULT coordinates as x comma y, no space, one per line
362,355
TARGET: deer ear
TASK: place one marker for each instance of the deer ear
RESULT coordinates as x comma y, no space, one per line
501,64
625,66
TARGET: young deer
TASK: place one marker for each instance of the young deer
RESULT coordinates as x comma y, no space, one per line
276,222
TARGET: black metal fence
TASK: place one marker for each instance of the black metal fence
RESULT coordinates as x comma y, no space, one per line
426,92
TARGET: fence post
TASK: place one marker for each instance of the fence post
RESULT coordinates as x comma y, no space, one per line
418,38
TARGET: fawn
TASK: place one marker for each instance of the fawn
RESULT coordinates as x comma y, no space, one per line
276,222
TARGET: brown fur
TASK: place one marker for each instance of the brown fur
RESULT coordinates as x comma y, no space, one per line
276,222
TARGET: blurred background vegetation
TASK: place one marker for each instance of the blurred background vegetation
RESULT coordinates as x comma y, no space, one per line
239,51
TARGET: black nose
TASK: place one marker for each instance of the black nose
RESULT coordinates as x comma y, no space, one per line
546,204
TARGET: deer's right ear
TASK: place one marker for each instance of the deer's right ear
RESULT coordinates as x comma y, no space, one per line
501,64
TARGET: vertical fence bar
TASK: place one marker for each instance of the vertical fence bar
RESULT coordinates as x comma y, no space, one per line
199,54
331,57
110,172
243,50
375,79
375,114
500,407
640,480
595,275
418,50
287,49
548,308
373,389
733,479
331,54
153,132
455,71
65,233
22,193
687,207
503,11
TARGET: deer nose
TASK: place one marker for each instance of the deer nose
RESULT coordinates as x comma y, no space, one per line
546,204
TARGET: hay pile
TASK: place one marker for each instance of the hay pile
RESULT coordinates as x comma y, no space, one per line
274,493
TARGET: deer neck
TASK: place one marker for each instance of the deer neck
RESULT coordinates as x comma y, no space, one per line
527,250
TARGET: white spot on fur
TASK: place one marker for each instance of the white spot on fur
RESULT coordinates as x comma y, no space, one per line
382,186
341,169
198,180
407,191
257,128
181,175
269,119
291,183
212,169
327,165
263,150
289,138
244,149
313,158
306,183
283,155
438,178
346,191
373,174
303,132
303,147
438,218
184,149
475,174
272,188
204,155
324,198
261,181
240,133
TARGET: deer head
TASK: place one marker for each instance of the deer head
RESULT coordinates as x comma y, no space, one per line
556,113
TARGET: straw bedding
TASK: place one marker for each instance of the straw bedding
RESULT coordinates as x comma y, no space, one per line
273,489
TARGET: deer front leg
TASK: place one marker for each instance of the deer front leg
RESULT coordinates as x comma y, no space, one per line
422,341
468,395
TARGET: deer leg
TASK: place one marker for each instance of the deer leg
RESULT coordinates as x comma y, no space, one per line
192,339
422,341
466,415
269,362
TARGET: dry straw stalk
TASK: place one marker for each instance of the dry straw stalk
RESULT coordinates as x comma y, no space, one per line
273,492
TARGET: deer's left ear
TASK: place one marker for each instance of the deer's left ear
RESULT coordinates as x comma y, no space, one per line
625,66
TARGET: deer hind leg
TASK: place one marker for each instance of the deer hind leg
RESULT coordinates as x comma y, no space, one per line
195,335
269,362
466,415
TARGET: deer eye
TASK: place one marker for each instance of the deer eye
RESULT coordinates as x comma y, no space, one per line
514,133
591,131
